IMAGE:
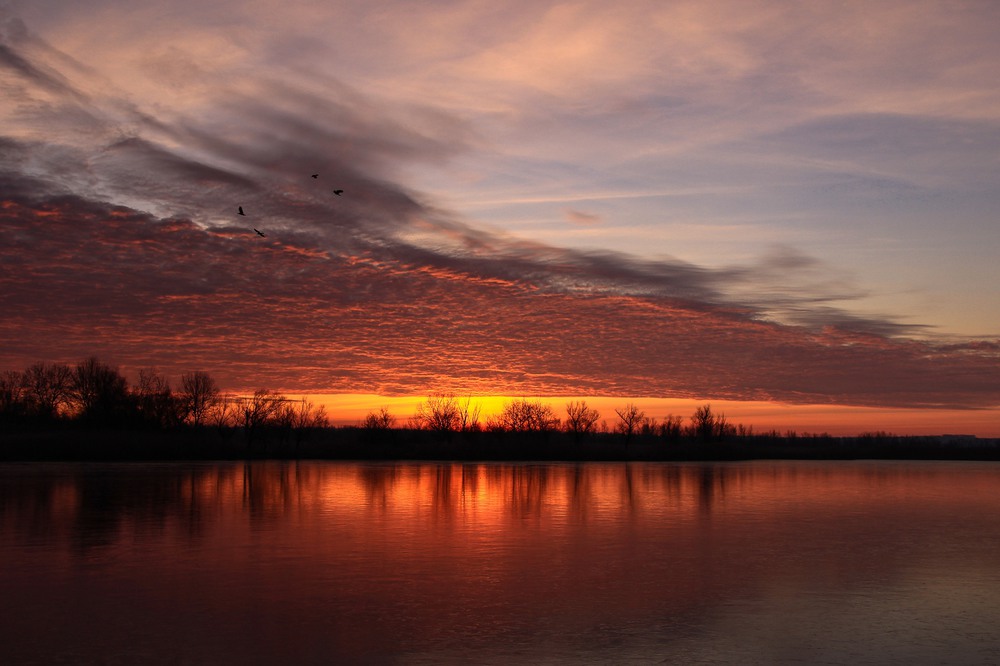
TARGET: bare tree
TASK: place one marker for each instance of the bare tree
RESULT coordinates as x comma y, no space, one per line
100,391
199,394
305,418
154,400
48,388
702,423
284,419
12,394
523,415
723,428
708,426
380,420
629,420
580,419
309,415
440,413
256,411
671,428
222,415
468,415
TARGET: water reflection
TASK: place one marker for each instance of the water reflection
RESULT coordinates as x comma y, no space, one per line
313,562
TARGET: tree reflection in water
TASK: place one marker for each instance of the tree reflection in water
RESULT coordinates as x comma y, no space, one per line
303,561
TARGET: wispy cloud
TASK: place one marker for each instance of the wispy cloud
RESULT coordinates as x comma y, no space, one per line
580,217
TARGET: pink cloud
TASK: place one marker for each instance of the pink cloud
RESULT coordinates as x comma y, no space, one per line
581,217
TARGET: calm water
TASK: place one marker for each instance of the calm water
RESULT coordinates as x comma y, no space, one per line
321,562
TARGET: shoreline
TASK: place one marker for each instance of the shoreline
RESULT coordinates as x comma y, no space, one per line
90,445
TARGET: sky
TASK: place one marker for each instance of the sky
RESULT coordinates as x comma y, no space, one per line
767,203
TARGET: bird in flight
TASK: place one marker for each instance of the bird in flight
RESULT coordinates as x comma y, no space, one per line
338,192
241,211
315,175
260,233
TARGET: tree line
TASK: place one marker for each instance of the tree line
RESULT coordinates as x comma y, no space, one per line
94,393
448,414
98,394
39,405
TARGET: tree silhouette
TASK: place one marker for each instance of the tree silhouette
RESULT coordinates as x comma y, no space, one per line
309,416
12,401
222,415
256,411
671,428
155,402
468,414
708,426
100,392
580,419
440,413
96,393
299,418
48,389
199,394
380,420
523,415
630,418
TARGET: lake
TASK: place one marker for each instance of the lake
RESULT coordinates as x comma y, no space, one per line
422,563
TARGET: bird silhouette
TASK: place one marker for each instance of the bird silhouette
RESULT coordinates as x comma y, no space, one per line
241,211
338,192
315,175
260,233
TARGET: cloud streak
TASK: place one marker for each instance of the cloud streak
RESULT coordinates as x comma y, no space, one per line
580,217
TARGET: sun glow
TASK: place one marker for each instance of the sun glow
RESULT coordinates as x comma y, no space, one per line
351,409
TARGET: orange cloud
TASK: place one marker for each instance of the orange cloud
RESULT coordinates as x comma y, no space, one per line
580,217
299,316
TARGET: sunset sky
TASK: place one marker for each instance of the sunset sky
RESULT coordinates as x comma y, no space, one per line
789,207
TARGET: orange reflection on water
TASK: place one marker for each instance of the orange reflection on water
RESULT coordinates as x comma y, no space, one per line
317,561
492,496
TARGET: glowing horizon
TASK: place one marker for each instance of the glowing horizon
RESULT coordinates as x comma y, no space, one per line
836,420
